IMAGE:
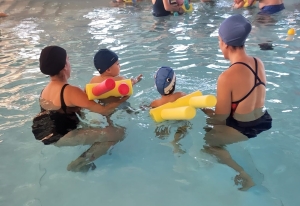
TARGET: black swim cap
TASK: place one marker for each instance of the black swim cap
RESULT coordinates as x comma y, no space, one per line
52,60
104,59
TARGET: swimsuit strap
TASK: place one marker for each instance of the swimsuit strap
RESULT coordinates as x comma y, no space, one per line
256,75
42,109
62,101
255,79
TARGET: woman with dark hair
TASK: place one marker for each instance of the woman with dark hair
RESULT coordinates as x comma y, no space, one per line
267,7
165,8
61,105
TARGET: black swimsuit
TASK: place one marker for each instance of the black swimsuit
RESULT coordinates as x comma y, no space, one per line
51,125
159,9
252,128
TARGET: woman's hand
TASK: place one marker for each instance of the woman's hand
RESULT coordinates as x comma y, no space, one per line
109,108
208,112
180,11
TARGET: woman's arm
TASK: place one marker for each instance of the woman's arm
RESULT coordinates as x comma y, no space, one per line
172,7
223,105
76,97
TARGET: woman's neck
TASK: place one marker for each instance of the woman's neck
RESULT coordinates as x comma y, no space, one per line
238,55
58,79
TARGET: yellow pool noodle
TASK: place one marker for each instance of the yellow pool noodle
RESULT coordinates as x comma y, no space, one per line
113,93
246,4
179,113
203,101
155,113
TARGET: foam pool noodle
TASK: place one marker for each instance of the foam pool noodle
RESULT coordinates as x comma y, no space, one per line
246,3
183,108
155,113
203,101
179,113
103,87
122,88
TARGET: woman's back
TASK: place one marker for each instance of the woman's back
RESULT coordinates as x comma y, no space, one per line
248,85
55,98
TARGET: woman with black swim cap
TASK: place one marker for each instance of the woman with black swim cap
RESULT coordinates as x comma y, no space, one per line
61,104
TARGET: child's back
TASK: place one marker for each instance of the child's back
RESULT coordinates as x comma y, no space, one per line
165,82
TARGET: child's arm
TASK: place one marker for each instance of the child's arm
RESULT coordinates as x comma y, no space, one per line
136,79
154,104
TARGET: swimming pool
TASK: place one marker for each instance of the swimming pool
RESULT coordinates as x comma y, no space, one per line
142,169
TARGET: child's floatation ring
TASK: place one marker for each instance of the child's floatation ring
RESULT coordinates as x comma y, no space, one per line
109,88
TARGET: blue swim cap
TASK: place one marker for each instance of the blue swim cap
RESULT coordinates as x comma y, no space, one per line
104,59
165,80
234,30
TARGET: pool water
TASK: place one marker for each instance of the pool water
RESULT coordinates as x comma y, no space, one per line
144,169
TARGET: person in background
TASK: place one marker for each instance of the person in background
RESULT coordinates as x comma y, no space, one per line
165,7
3,14
266,6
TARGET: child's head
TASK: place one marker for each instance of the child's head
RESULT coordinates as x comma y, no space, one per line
165,80
106,60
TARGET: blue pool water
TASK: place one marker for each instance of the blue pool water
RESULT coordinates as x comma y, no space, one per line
143,169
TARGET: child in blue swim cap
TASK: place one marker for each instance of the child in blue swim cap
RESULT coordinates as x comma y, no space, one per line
165,82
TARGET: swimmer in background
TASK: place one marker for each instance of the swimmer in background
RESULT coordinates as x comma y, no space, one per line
165,82
117,3
107,64
166,7
265,6
3,14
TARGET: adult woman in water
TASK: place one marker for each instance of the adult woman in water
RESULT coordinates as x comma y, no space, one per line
61,105
165,7
241,91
